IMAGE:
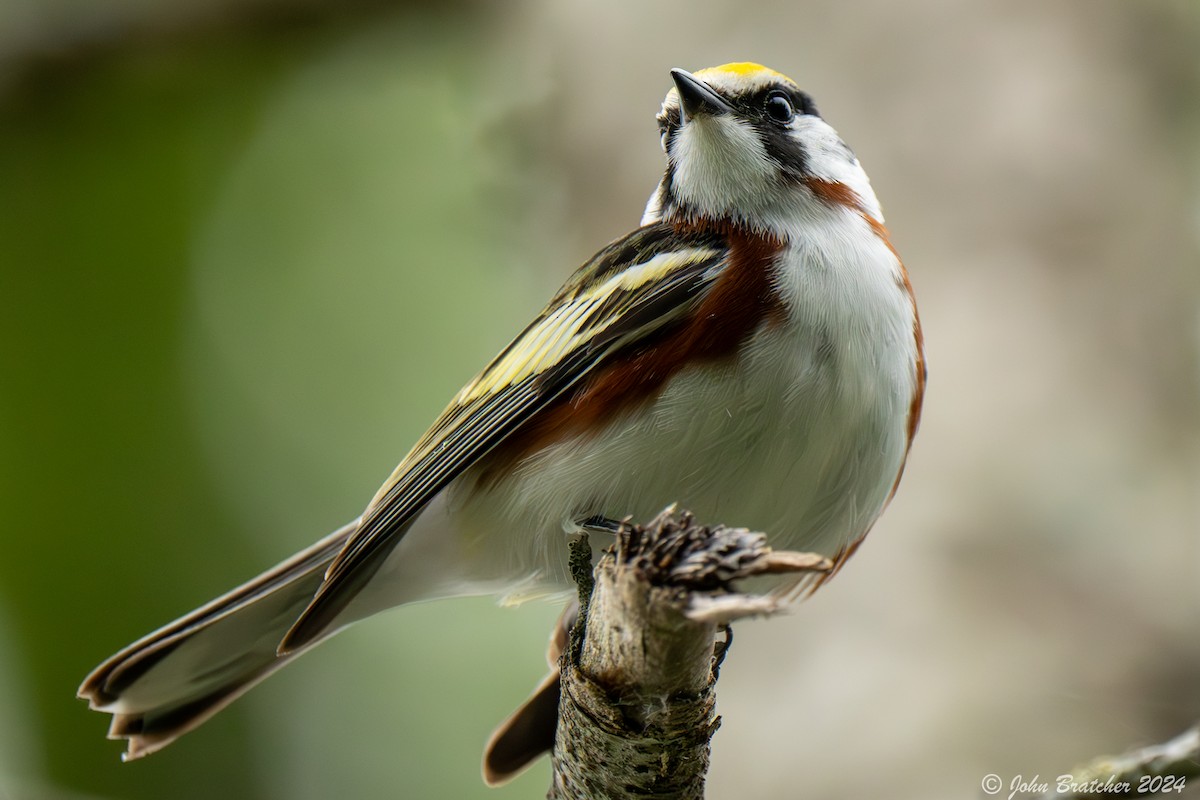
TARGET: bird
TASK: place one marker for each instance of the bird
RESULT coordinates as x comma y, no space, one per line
751,351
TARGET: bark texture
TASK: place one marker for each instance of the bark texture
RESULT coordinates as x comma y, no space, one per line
638,678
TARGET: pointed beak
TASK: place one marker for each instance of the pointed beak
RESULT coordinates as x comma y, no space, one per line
696,98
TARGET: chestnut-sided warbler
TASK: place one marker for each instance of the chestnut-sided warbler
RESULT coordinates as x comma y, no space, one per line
751,352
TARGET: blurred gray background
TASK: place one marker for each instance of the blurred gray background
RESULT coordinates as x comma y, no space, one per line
248,249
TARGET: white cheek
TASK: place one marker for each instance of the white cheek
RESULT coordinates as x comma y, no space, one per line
829,159
720,165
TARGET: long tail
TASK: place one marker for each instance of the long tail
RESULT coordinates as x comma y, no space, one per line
165,684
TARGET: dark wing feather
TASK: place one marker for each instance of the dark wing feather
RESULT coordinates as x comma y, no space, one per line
628,291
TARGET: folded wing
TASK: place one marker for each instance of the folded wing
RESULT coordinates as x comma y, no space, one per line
626,294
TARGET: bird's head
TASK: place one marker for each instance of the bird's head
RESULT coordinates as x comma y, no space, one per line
745,146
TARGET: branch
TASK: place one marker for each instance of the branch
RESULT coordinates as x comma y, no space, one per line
638,676
1158,769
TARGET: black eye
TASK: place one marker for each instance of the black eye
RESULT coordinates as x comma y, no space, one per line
779,108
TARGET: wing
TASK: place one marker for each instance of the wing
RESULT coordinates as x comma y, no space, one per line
632,289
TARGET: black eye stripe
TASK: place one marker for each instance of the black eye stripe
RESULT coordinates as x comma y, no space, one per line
751,105
804,104
755,104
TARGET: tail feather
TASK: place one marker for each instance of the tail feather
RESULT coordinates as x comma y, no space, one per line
167,683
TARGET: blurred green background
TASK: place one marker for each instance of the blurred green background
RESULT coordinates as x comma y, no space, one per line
248,249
